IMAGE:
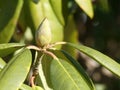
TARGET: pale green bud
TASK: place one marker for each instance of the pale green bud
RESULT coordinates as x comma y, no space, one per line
43,34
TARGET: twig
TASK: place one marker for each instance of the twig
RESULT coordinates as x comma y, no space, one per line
55,44
51,54
34,47
32,81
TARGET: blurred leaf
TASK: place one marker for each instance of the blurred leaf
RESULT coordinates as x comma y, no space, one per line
8,48
56,27
14,73
65,77
71,30
100,87
79,68
22,20
86,6
33,13
21,27
60,9
36,12
72,36
2,63
57,8
104,5
104,60
28,37
37,88
9,13
25,87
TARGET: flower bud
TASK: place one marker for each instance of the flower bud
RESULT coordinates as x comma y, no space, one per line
43,34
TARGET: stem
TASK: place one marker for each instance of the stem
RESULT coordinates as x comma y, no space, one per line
51,54
32,81
35,59
57,43
47,47
34,47
38,63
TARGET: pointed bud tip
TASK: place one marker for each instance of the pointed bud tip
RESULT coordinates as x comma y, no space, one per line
43,34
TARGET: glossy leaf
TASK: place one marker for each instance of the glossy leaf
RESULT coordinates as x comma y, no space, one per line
14,73
9,14
2,63
65,77
86,6
102,59
79,68
8,48
67,56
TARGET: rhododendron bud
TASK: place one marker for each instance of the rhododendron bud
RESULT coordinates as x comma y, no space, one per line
43,34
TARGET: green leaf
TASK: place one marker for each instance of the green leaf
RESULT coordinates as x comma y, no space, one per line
72,37
104,5
46,69
104,60
57,9
9,14
43,71
60,9
86,6
25,87
65,77
43,79
56,27
33,14
36,12
79,68
8,48
2,63
14,73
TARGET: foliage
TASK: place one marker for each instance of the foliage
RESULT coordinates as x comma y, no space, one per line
50,65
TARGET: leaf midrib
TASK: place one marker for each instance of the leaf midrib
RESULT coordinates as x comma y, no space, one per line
67,73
